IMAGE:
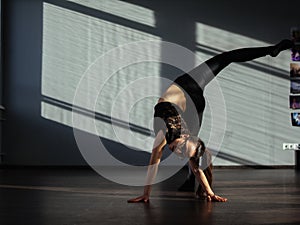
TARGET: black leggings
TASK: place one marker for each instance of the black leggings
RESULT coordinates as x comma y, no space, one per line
219,62
194,82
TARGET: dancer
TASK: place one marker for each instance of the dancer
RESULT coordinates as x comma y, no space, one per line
175,124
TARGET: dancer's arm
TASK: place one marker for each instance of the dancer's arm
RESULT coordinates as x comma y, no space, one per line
156,154
200,176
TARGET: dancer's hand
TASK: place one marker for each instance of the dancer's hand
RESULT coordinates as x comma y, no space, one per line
216,198
143,198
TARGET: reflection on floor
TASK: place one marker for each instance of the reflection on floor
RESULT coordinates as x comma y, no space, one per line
81,196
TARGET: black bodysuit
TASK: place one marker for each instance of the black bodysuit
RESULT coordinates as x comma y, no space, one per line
168,118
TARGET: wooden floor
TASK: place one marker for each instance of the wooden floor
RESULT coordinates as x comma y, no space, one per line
80,196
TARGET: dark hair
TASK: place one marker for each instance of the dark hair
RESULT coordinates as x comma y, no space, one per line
200,145
206,164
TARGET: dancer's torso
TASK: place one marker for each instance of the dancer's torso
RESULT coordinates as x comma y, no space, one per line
186,95
170,122
175,95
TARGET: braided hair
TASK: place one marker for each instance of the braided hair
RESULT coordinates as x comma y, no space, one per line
206,163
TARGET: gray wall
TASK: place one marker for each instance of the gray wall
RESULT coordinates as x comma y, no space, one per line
30,139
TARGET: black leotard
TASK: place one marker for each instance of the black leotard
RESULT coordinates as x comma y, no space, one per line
167,117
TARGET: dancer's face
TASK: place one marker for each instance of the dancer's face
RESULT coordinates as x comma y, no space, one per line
178,143
183,145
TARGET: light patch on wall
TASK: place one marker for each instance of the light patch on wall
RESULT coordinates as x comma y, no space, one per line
122,9
218,40
72,43
256,95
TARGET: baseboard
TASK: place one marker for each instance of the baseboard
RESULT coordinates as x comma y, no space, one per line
61,167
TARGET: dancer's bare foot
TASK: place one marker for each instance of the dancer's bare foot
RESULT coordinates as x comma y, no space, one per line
281,46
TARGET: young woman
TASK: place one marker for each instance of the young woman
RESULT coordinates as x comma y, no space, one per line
175,125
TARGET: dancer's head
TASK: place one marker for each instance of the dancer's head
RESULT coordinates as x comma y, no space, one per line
193,146
189,145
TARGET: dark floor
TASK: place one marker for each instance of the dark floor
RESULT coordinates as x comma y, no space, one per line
81,196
